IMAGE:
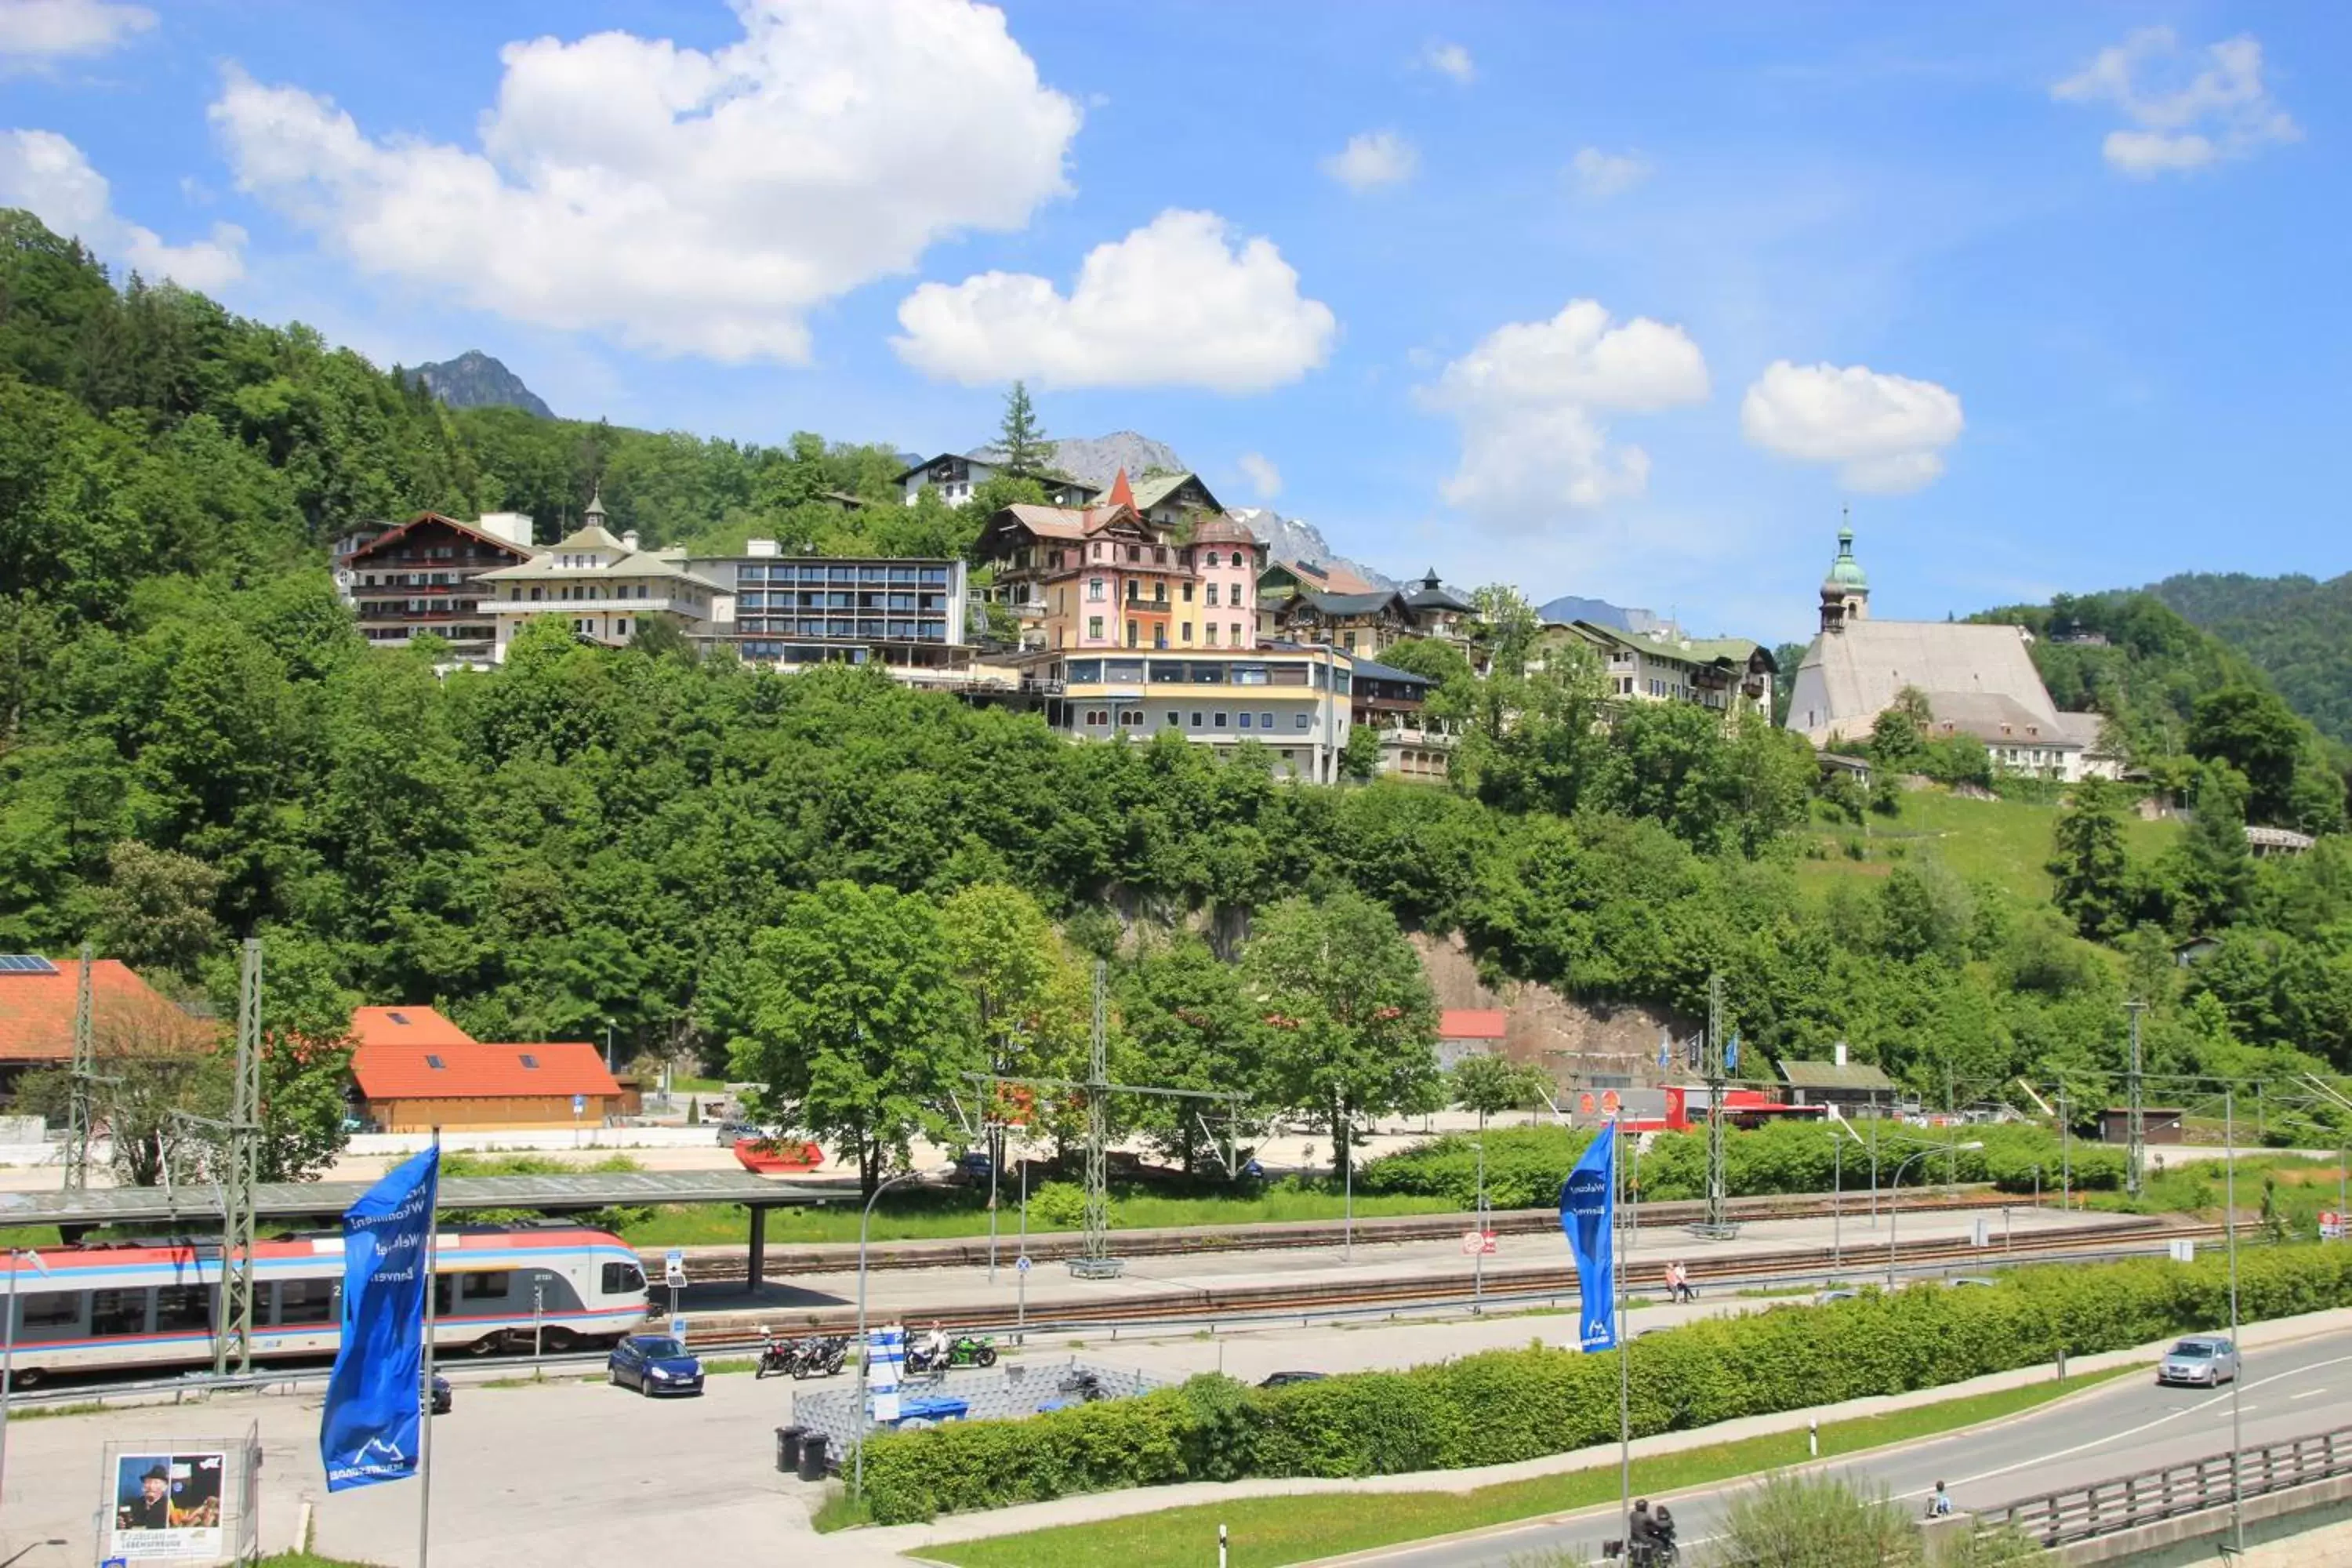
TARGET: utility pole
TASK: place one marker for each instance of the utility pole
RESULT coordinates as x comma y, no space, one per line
1094,1260
243,1176
1718,1224
80,1077
2136,1130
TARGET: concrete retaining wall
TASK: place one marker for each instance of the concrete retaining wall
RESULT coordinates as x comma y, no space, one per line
2194,1538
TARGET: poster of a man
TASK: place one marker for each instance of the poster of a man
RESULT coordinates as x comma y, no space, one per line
167,1505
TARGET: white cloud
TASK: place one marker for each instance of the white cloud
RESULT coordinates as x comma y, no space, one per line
54,29
684,202
1451,59
2180,121
1262,476
1175,303
1531,400
1600,174
47,175
1885,432
1372,159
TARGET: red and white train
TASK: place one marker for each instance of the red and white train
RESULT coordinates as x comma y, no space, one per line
138,1305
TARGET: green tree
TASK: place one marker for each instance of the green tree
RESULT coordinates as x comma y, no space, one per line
156,909
1026,990
2091,868
1184,1024
1348,1021
2255,732
856,1024
2211,870
1827,1520
1489,1085
1507,625
1024,453
1359,759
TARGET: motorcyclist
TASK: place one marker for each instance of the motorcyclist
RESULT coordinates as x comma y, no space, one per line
1663,1519
1641,1536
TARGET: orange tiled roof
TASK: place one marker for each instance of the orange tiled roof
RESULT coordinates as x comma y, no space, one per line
472,1071
405,1026
1471,1023
37,1011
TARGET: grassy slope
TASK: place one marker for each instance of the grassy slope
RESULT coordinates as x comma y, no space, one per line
1269,1531
2004,841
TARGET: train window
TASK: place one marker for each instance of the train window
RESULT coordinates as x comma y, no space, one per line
482,1286
306,1301
623,1280
51,1310
183,1306
117,1312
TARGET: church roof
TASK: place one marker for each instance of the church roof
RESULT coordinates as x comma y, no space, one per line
1996,717
1862,667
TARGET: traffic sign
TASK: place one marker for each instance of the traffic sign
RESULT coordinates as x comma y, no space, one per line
1022,1263
2331,1225
1476,1242
579,1103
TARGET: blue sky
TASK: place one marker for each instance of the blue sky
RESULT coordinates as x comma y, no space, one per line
1622,301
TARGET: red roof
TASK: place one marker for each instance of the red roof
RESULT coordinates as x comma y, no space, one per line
37,1011
470,1071
1121,493
405,1026
1472,1023
384,540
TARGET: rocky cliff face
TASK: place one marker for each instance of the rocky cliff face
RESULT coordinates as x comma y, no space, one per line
475,380
1570,1039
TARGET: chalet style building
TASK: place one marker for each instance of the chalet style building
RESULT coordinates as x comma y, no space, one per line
956,474
424,576
604,586
1114,575
1728,674
1279,582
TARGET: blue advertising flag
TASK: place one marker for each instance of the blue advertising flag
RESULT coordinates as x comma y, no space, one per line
1731,1055
1588,1214
368,1429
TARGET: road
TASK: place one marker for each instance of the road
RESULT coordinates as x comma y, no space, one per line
2128,1426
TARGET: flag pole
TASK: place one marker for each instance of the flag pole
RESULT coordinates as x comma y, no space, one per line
1625,1358
425,1384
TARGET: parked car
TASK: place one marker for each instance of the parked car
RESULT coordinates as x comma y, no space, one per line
1843,1293
653,1364
969,1170
442,1398
1285,1378
2200,1360
1970,1279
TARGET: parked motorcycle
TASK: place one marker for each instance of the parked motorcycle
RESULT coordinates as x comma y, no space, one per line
819,1356
964,1351
775,1356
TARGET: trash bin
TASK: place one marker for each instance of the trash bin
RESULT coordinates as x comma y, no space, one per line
812,1456
788,1448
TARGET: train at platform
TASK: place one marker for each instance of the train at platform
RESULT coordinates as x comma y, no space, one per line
156,1306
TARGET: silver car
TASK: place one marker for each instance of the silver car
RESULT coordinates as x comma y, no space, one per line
2207,1361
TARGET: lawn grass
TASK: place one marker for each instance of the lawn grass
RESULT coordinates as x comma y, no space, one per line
1265,1532
2002,841
965,1214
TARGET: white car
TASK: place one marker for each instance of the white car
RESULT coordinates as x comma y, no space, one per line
2205,1361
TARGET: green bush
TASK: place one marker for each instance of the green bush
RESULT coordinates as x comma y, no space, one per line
1525,1165
1507,1406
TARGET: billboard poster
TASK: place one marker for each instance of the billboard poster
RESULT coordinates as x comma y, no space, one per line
167,1505
886,1355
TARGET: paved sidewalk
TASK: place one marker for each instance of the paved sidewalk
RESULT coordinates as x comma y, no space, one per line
911,1539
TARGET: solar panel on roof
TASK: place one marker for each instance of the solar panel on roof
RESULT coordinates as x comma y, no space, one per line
26,964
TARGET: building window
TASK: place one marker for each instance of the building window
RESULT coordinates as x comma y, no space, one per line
1212,599
1237,557
1131,717
1187,630
1135,553
1099,552
1094,590
1266,720
1196,720
1237,634
1298,721
1093,628
1174,718
1210,628
1217,721
1245,721
1134,590
1188,594
1348,641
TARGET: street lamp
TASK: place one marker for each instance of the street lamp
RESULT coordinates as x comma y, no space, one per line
608,1045
865,1410
1894,1193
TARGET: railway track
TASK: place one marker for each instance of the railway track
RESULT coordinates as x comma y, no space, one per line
712,1264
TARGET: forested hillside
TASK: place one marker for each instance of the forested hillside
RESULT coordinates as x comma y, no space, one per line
198,746
2298,629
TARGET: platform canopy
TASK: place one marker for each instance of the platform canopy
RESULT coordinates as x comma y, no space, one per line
570,1193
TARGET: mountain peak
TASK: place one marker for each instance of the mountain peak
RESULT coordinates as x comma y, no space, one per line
475,380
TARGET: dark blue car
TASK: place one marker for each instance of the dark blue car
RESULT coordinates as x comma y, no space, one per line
654,1363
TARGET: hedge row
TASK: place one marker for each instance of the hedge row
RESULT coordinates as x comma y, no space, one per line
1504,1405
1524,1166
